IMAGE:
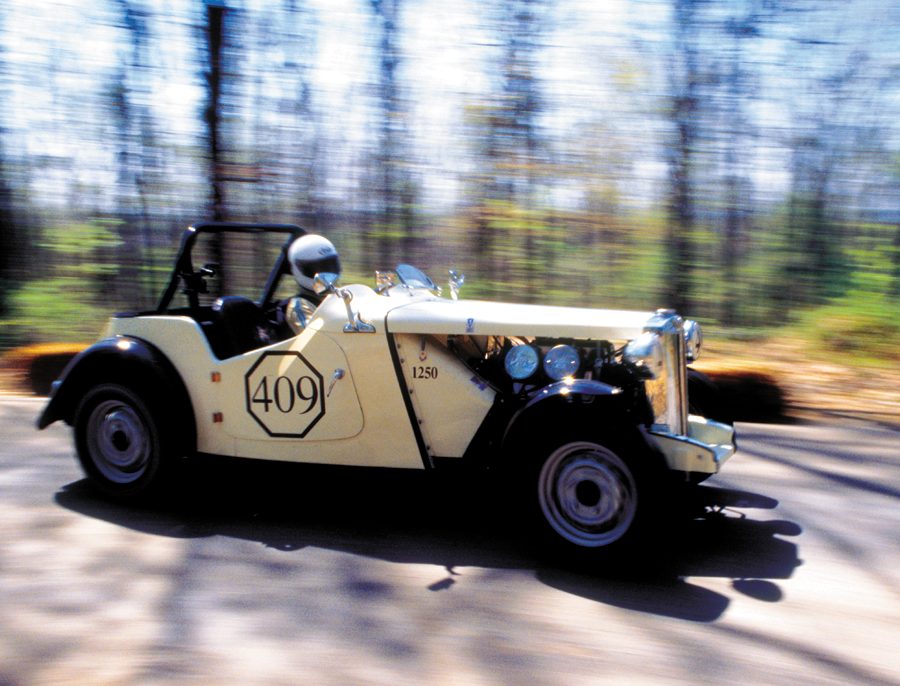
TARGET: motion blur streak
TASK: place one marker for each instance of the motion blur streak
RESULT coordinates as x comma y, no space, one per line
735,160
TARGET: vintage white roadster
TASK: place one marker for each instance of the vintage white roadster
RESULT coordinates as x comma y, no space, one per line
584,412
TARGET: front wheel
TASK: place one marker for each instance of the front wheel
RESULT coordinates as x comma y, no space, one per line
119,442
588,496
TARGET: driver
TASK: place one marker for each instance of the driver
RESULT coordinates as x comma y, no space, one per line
308,255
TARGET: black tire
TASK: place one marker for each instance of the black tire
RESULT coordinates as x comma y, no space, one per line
119,441
591,499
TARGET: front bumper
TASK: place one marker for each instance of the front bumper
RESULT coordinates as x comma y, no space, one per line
704,449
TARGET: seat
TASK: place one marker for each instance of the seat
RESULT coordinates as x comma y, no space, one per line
238,326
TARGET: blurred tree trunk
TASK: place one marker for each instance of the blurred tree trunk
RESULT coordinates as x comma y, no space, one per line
521,88
395,186
488,193
11,249
738,198
684,84
815,266
136,136
509,148
10,246
299,38
215,26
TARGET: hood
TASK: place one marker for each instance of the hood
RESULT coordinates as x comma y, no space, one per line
440,316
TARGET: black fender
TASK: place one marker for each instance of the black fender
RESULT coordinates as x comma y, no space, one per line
126,360
567,403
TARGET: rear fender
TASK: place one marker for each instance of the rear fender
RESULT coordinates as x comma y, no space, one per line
121,359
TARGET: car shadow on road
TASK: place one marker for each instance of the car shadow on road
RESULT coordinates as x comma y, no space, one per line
452,521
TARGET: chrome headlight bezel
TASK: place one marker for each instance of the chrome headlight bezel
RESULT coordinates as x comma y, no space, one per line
646,353
693,340
521,362
562,361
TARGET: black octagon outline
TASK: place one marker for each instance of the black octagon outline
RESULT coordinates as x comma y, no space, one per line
308,366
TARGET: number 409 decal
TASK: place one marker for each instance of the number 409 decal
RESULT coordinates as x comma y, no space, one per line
284,394
287,394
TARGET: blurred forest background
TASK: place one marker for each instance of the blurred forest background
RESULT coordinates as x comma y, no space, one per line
737,160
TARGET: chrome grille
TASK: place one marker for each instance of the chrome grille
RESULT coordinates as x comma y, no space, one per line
668,391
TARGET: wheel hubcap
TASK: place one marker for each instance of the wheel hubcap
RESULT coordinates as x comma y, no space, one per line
587,494
118,441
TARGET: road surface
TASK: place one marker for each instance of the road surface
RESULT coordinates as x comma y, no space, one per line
258,574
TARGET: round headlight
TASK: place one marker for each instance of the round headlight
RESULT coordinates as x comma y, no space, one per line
646,353
693,339
561,361
521,362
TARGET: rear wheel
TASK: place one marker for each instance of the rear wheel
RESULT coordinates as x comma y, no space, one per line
119,441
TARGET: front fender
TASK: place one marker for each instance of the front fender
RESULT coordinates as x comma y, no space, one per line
122,359
572,389
566,403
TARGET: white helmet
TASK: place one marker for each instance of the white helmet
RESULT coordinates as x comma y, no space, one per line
310,255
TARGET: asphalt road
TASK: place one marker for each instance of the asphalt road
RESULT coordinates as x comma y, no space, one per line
787,572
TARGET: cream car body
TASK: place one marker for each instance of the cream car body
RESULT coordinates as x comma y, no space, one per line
398,378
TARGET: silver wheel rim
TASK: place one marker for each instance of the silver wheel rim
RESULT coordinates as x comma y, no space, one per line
587,494
118,441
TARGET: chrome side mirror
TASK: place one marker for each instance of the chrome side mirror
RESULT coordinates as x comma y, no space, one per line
456,282
326,282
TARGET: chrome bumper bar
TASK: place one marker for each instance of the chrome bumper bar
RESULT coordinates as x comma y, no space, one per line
704,449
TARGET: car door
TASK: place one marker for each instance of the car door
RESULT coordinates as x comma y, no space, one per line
300,389
325,396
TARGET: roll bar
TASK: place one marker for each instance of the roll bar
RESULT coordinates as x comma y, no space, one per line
184,272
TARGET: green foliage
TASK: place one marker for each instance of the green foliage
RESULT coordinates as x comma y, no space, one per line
83,250
580,258
863,327
860,319
69,299
52,310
